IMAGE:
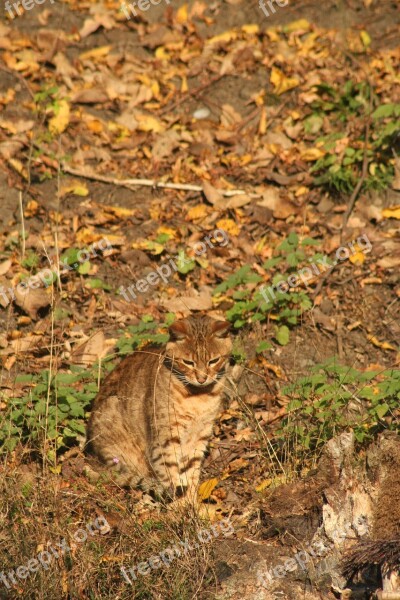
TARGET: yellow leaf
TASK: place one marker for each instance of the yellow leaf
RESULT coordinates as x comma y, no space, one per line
365,38
251,29
272,33
300,24
264,484
383,345
149,123
161,53
197,212
358,257
203,262
77,189
95,126
262,126
18,167
393,212
229,226
95,53
167,230
301,191
31,209
60,121
182,14
227,36
311,154
184,85
206,488
152,247
282,83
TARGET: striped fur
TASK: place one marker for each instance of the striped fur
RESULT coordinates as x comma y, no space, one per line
154,414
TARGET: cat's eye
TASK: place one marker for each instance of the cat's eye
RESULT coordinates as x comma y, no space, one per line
188,363
213,361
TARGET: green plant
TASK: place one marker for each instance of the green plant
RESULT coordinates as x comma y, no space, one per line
53,409
251,303
54,406
336,398
145,332
344,113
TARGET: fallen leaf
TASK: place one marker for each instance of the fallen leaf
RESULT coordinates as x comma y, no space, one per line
93,349
5,266
206,488
229,226
213,195
393,212
60,121
379,344
197,212
282,83
263,485
32,300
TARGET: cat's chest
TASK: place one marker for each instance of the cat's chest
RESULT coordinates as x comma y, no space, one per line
199,408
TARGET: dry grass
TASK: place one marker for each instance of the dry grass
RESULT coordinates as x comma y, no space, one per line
38,511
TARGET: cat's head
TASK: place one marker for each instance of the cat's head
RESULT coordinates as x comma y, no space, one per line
200,348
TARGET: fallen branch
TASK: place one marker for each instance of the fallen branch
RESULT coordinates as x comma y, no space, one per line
129,183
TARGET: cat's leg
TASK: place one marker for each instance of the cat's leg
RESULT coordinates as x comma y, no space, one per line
192,465
166,463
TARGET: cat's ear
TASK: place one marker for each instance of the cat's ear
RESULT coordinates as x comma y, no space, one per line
179,330
220,329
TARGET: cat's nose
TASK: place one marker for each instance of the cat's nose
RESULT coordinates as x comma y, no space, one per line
201,377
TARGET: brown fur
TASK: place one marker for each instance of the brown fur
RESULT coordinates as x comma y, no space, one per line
154,414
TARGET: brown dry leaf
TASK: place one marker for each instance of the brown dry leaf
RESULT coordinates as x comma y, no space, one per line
93,349
237,464
280,207
230,117
24,344
212,194
91,96
206,488
32,300
235,201
244,434
389,262
5,266
186,304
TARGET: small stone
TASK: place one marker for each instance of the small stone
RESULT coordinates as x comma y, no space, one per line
201,113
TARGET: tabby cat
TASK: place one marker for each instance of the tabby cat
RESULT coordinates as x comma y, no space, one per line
154,414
